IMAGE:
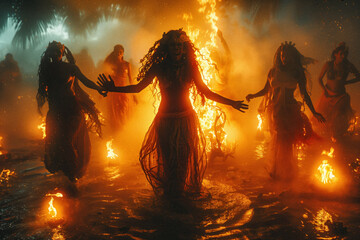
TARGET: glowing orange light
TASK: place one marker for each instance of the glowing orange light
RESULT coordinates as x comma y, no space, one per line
51,208
329,154
5,174
110,151
325,171
260,121
42,127
211,117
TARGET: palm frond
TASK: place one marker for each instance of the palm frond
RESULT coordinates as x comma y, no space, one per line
31,20
5,12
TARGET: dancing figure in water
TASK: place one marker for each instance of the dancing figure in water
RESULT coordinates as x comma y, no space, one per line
173,154
334,103
119,70
67,143
288,124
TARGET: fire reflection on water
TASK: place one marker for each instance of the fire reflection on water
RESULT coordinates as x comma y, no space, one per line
320,220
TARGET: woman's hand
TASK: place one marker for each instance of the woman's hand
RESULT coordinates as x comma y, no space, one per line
239,105
107,84
249,97
102,92
319,117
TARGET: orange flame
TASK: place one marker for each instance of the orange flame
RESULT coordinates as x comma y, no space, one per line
325,171
42,127
212,118
330,153
51,208
110,151
259,127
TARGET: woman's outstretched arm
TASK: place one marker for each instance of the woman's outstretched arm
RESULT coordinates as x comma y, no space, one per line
260,93
87,82
108,83
201,86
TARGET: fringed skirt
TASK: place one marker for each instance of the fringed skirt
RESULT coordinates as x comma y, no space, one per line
118,108
173,154
67,144
290,126
338,113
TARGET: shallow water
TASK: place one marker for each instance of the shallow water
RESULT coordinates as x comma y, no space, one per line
114,201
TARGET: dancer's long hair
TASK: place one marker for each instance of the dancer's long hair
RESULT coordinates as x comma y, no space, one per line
50,55
300,63
159,53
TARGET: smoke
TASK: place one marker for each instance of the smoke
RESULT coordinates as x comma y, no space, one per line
252,44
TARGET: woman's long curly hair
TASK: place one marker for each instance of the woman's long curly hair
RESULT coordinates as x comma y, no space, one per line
50,55
299,65
159,53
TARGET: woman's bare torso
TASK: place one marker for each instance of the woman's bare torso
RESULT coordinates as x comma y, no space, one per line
336,76
175,83
283,85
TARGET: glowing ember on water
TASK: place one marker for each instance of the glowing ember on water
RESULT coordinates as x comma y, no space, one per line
110,151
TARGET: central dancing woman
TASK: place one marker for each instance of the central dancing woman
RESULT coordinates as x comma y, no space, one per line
173,154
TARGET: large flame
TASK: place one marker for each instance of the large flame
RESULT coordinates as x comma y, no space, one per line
110,150
212,118
51,208
325,171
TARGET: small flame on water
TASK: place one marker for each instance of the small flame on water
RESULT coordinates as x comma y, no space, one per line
259,127
110,151
51,208
326,172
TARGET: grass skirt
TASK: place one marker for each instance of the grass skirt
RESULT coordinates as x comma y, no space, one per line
173,154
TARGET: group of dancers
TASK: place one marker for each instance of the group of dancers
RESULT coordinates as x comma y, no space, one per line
173,154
